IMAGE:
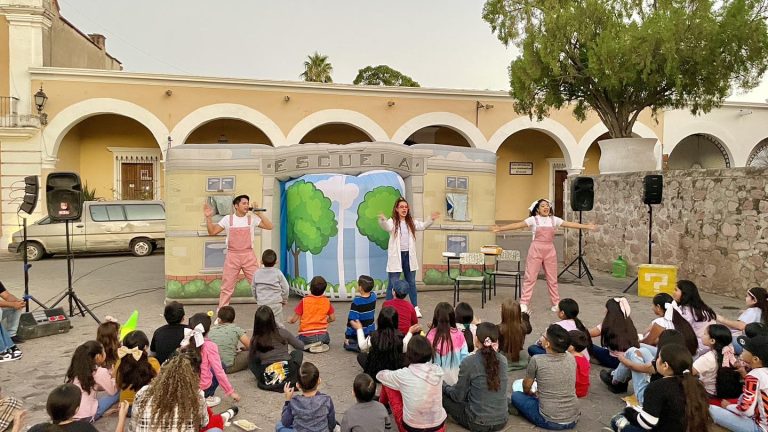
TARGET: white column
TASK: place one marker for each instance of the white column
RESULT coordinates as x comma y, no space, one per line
21,157
26,32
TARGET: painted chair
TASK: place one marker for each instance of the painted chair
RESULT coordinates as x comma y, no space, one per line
507,259
467,259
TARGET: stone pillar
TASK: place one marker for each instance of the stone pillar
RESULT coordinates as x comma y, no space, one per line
21,157
26,31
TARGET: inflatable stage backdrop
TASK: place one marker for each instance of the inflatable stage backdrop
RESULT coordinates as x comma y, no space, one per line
324,201
332,230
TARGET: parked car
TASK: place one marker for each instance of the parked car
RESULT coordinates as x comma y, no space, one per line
104,226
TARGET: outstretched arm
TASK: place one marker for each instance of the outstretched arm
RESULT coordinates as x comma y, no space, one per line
509,227
576,225
213,229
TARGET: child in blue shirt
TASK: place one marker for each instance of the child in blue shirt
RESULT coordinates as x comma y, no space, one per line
363,309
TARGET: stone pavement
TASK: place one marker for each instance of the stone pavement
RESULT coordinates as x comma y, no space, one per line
116,285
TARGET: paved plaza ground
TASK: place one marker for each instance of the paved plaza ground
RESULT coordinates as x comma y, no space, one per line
116,285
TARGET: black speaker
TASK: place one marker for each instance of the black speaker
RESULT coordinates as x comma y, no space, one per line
582,194
31,190
653,186
64,195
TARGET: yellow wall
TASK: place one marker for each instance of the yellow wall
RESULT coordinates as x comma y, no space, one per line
184,211
335,134
4,58
516,192
592,160
236,131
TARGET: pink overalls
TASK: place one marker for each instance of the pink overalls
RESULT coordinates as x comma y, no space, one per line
541,254
239,256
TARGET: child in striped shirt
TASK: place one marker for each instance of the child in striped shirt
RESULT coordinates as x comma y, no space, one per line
363,309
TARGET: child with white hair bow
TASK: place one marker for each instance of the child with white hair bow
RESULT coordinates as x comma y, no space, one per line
212,372
541,253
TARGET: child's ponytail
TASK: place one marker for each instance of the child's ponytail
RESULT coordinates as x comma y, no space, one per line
570,309
672,313
83,365
696,401
488,336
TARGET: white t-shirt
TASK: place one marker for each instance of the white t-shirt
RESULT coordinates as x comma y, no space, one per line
753,314
405,236
706,365
663,323
239,222
544,221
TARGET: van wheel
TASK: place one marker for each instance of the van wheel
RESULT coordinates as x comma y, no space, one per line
35,251
141,247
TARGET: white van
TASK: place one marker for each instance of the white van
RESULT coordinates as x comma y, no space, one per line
104,226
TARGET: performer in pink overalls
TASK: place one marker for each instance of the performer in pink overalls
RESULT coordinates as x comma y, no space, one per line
541,253
240,256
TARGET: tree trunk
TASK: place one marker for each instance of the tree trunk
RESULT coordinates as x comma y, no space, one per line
295,253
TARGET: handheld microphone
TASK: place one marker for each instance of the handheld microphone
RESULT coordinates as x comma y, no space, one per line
256,209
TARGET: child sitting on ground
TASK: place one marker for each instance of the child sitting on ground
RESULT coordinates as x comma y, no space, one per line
405,311
512,330
108,335
579,343
11,412
269,286
363,310
309,411
167,338
62,404
568,312
617,334
694,310
415,393
314,312
556,406
465,321
269,359
384,348
86,373
135,368
447,341
716,369
367,414
226,335
211,369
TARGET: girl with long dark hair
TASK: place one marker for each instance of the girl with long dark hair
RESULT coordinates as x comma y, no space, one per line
86,372
401,250
677,402
269,359
62,404
694,310
541,254
514,326
383,349
108,334
211,368
617,333
447,341
716,368
642,362
478,400
756,299
135,368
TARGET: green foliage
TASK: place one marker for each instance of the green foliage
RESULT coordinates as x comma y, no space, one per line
243,288
383,75
380,200
194,288
619,57
310,222
436,277
173,289
89,194
317,69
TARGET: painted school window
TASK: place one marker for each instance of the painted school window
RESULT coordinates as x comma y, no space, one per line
457,198
213,255
457,244
221,205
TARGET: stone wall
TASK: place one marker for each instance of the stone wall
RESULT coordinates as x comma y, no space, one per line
711,224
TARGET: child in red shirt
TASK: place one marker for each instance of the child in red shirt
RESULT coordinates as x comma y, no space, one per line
314,312
579,343
406,313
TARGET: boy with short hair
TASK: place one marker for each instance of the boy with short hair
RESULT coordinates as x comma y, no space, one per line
749,413
367,414
363,309
226,336
555,374
269,286
406,313
314,312
579,343
167,338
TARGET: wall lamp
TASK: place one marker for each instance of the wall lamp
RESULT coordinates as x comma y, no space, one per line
478,106
390,103
745,112
286,98
40,99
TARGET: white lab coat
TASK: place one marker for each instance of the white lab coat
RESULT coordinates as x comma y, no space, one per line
393,249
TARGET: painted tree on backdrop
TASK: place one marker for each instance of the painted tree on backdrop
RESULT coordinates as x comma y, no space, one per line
317,69
383,75
375,202
310,220
619,57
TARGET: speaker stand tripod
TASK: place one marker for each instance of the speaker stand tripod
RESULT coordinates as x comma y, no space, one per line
579,260
650,245
74,300
27,266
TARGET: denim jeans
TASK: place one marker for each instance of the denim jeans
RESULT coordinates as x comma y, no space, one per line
627,427
529,408
9,317
410,277
536,349
731,421
105,402
322,337
280,428
604,357
214,382
5,339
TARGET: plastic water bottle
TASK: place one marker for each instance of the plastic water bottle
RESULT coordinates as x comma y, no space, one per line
619,267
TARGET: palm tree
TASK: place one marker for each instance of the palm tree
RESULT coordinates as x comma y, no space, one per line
317,69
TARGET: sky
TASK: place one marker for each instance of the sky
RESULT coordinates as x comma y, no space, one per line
439,43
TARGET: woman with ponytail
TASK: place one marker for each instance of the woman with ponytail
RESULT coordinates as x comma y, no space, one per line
478,400
717,368
677,402
756,311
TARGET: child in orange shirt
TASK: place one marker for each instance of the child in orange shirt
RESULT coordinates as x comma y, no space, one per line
314,312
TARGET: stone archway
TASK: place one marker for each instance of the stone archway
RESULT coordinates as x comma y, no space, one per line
204,115
336,116
699,151
335,133
228,131
454,122
759,155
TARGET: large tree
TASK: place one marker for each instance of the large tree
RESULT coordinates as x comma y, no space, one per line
310,219
317,69
619,57
383,75
375,202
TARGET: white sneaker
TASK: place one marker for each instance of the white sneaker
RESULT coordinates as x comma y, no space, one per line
554,308
212,401
418,312
523,308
